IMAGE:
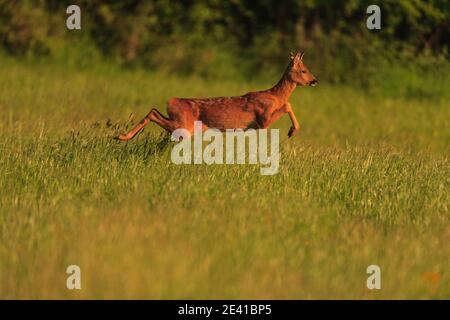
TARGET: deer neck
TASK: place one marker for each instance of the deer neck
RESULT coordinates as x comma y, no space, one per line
284,88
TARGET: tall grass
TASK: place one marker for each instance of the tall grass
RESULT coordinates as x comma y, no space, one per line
365,182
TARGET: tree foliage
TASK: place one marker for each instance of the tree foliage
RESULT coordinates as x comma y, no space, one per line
209,36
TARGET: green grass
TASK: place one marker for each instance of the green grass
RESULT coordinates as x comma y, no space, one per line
366,181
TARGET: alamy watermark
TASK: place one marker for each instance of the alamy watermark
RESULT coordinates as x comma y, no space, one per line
374,280
374,20
74,279
228,147
73,22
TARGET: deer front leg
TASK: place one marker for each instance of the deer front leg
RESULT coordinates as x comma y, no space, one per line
295,126
270,116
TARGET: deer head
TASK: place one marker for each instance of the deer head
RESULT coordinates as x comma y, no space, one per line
299,73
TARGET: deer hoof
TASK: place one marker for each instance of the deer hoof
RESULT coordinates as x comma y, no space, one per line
121,137
292,131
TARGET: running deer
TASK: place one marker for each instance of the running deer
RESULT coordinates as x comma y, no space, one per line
254,110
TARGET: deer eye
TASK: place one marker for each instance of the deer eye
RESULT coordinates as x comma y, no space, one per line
303,71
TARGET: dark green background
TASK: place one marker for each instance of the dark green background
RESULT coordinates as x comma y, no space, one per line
243,40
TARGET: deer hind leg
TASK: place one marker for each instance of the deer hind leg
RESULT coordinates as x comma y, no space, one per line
169,124
154,116
133,132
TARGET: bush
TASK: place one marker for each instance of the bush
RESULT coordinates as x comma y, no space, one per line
222,39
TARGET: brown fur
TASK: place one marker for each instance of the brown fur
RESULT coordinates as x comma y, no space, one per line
257,110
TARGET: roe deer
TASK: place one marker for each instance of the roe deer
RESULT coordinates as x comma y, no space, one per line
256,110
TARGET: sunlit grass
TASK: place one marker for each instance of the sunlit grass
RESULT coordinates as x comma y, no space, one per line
365,182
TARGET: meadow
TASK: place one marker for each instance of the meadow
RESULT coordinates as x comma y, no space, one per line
365,181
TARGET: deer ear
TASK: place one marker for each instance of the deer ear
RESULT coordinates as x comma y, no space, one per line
301,55
297,57
292,55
